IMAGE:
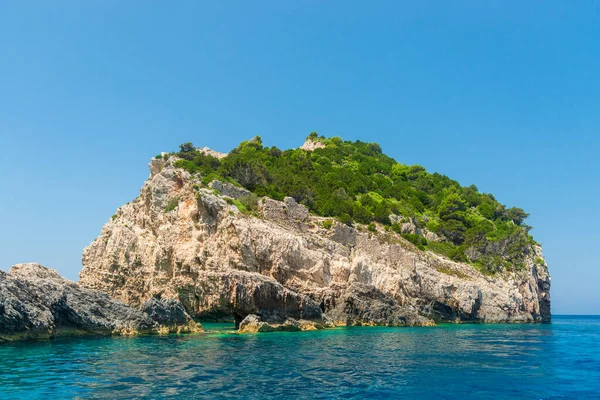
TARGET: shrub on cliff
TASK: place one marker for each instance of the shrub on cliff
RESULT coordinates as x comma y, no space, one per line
356,182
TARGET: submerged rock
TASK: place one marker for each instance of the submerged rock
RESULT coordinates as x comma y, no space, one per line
36,302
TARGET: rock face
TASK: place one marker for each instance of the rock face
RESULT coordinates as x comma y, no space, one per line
209,152
280,262
363,304
229,190
311,145
36,302
170,315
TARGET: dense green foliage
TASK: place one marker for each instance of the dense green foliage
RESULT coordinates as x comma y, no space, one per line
356,183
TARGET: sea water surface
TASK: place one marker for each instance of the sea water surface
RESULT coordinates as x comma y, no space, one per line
560,360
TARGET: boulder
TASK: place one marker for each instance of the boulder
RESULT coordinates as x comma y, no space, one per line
170,315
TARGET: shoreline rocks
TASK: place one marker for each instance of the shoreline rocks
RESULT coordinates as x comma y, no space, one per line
37,303
364,305
254,324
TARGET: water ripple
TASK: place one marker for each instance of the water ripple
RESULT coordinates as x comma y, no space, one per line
558,360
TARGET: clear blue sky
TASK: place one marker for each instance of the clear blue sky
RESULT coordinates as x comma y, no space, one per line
505,95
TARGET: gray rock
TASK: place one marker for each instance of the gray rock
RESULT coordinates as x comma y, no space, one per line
360,304
36,302
408,225
295,211
344,234
286,212
273,210
229,190
238,294
166,311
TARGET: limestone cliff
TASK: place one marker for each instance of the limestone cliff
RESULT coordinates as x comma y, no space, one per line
180,239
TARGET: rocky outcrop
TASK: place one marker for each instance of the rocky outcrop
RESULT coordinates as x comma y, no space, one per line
254,324
235,293
279,262
213,153
170,315
361,304
311,145
408,225
36,302
229,190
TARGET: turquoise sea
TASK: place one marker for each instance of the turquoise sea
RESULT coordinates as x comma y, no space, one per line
560,360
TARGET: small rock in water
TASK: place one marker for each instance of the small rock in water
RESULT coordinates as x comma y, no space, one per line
254,324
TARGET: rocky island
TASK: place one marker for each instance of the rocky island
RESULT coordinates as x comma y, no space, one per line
332,233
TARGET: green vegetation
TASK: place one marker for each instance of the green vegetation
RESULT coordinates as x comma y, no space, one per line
238,204
246,204
539,261
355,182
250,202
173,203
415,239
